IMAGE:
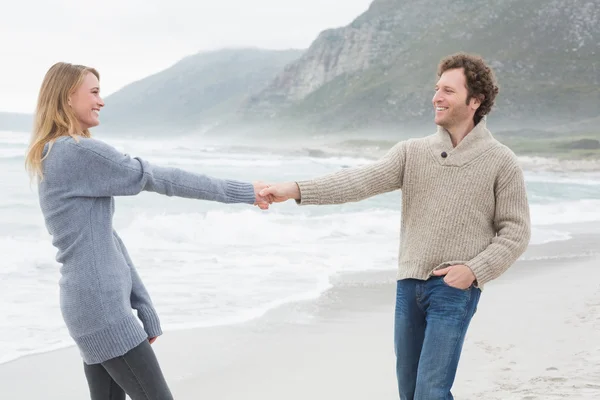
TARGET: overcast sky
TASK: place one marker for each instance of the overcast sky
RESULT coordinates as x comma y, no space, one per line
127,40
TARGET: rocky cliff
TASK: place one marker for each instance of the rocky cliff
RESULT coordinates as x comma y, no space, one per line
380,69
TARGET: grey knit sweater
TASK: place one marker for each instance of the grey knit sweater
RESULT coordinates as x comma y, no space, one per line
99,286
463,205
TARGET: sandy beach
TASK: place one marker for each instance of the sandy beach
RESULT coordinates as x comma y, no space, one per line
534,336
136,139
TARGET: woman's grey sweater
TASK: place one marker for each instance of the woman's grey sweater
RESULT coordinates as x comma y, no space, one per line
99,286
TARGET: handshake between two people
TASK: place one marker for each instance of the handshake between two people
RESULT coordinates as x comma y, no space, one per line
267,194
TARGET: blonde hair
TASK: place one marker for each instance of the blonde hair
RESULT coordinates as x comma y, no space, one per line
53,116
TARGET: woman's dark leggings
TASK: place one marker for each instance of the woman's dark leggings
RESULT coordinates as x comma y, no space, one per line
136,374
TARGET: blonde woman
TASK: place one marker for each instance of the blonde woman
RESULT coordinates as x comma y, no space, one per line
78,176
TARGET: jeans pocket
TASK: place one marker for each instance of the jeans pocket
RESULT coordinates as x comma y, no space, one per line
443,278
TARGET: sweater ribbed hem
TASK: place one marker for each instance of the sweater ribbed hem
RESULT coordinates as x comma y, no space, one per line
240,192
421,272
309,194
413,271
111,342
150,320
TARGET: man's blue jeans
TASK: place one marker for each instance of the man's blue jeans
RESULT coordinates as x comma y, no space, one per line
430,325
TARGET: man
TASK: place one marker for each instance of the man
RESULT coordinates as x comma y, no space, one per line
465,221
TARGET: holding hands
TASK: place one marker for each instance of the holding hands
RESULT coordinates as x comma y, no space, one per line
267,194
261,201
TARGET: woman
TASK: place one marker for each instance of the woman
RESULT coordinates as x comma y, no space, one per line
99,286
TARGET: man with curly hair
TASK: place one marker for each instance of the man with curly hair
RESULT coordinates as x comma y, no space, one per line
465,221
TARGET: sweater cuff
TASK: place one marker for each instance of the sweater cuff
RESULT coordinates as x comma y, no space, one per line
150,321
482,271
309,193
240,192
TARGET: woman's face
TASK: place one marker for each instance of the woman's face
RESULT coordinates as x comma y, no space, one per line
86,102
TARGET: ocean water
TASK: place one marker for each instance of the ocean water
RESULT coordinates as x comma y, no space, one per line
207,263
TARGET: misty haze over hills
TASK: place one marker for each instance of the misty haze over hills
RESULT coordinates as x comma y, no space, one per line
200,90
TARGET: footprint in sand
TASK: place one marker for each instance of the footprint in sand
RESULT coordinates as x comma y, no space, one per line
592,386
556,379
495,350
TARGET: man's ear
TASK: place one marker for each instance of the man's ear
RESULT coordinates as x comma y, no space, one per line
476,101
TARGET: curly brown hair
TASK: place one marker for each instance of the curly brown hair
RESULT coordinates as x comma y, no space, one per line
481,81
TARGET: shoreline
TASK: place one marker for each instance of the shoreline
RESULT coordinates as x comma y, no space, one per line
582,243
580,246
340,345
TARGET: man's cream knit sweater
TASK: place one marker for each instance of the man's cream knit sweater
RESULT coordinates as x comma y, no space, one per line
460,205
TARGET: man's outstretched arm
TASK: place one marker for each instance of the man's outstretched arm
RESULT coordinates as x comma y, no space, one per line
348,185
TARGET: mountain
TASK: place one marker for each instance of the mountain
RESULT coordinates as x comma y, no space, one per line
196,92
379,71
376,75
16,122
